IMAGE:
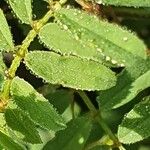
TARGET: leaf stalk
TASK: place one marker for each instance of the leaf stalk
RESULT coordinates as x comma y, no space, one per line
99,118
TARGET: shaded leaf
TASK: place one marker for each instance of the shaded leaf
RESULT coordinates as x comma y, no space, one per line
128,3
22,9
84,35
2,70
129,84
19,121
135,126
73,137
70,71
3,123
58,98
6,42
8,142
1,147
37,107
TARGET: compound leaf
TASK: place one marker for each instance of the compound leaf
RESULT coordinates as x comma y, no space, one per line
37,107
19,121
6,42
22,9
135,126
128,3
70,71
73,137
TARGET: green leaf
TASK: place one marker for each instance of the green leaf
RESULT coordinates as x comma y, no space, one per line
84,35
3,123
2,70
1,147
22,9
59,97
73,137
8,142
135,126
129,84
70,71
6,42
19,121
139,85
128,3
37,107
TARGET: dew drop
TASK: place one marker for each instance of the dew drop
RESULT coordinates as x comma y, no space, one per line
114,61
6,72
76,37
65,27
75,13
68,7
81,17
103,54
81,140
125,39
98,49
100,2
34,16
108,58
122,65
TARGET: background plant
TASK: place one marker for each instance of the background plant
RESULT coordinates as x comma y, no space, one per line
74,75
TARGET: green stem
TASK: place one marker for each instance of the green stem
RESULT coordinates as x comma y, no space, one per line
108,130
99,119
87,102
37,25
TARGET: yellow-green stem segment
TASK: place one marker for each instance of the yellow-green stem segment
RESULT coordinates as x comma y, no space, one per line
20,54
98,118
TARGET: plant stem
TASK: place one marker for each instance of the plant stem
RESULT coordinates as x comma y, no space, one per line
99,119
108,130
87,102
37,25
